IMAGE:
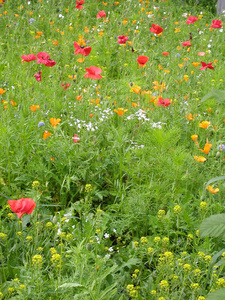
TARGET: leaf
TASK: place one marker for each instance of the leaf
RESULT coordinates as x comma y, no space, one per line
25,221
70,285
218,95
217,295
213,226
215,179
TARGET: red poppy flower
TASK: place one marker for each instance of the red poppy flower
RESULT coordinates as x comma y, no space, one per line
93,72
83,51
191,20
76,139
22,206
216,24
201,53
165,102
65,86
38,76
101,14
142,60
44,58
206,66
165,53
122,39
79,4
187,43
28,58
156,29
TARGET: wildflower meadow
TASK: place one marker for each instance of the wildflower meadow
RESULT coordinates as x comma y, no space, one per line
112,139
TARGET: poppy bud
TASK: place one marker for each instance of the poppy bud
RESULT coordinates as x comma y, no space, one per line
218,154
76,68
202,198
217,112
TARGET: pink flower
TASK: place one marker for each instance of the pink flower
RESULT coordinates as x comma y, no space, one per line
156,29
165,102
93,72
191,20
122,39
79,4
22,206
76,139
187,43
28,57
206,66
201,53
101,14
38,76
83,51
216,24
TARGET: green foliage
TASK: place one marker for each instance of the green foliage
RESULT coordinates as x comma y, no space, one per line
213,226
217,295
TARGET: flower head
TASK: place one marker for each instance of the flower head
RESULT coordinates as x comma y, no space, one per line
200,158
22,206
93,72
211,190
216,24
54,122
28,58
156,29
79,4
206,66
204,124
187,43
191,20
82,50
206,147
142,60
122,39
165,102
101,14
38,76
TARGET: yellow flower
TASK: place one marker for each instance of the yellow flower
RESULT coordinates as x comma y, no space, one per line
177,209
194,137
177,30
120,111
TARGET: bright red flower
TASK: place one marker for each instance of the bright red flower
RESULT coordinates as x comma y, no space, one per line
83,51
156,29
93,72
122,39
187,43
101,14
79,4
38,76
44,58
65,86
76,139
142,60
22,206
216,24
165,102
191,20
206,66
165,53
29,57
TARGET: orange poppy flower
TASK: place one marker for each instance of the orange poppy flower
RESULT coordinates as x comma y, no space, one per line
79,97
54,122
204,124
210,189
39,33
194,137
2,91
206,148
34,107
200,158
120,111
136,89
95,101
195,64
46,134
